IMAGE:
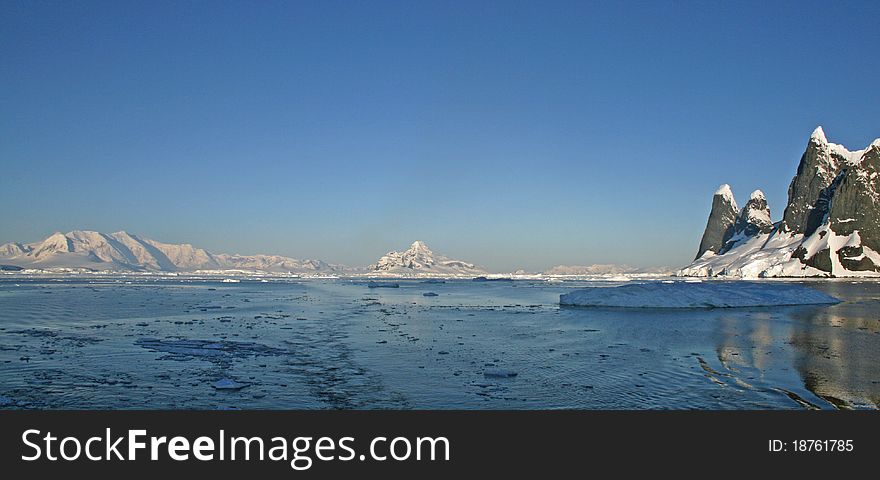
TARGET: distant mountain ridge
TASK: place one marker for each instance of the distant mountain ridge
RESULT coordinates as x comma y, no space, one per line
122,251
598,269
91,251
830,227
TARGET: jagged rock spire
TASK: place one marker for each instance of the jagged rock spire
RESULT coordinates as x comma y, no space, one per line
722,220
754,217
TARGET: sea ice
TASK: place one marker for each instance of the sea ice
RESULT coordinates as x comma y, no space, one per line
499,373
183,349
697,295
229,384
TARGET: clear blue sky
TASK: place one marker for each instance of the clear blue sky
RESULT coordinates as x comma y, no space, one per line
511,134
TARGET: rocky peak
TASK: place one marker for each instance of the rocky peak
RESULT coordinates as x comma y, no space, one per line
418,259
818,135
722,219
820,165
755,216
417,256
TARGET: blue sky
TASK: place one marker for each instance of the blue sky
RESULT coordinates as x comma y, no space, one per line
511,134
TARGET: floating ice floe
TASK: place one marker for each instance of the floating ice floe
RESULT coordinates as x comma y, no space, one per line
697,295
499,373
229,384
184,349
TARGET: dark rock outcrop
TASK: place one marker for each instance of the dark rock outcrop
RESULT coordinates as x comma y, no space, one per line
819,166
722,220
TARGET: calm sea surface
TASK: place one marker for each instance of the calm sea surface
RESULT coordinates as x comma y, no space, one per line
136,342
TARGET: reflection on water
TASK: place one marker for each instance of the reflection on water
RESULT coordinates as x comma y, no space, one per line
169,343
835,350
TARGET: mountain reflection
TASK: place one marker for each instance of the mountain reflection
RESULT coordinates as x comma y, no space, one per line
837,355
832,349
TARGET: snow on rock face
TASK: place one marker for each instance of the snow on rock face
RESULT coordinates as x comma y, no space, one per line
726,192
831,225
419,260
856,201
185,256
697,295
55,243
12,249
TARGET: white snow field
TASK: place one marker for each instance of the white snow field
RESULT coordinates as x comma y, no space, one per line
697,295
770,255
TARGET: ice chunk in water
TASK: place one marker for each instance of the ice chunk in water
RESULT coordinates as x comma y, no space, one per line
206,349
499,373
697,295
229,384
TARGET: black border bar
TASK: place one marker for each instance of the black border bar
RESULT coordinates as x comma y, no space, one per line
514,443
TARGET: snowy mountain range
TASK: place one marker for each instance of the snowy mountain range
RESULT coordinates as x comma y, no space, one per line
830,227
419,260
122,251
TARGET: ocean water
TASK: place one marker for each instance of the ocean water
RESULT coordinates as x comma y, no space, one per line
164,343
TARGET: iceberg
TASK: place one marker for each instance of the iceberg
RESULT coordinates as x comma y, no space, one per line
697,295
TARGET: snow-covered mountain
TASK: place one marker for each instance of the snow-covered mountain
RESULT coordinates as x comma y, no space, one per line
830,227
122,251
419,260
